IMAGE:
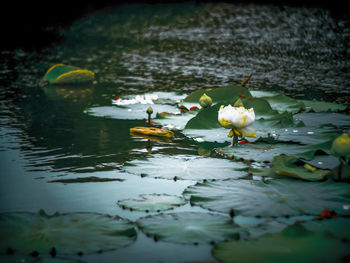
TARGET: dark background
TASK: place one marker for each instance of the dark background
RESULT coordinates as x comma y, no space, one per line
34,25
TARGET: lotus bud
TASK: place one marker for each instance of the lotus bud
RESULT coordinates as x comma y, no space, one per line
341,146
149,110
205,101
238,103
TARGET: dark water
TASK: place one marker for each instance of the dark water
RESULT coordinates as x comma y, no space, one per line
301,52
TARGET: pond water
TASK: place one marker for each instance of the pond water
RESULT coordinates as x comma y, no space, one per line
49,134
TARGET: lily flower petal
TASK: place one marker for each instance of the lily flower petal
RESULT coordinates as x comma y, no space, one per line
248,132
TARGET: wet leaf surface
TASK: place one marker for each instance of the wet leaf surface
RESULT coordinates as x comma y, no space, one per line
294,244
276,198
291,166
186,167
67,233
190,228
152,203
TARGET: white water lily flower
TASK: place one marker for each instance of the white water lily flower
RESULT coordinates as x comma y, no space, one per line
139,99
237,119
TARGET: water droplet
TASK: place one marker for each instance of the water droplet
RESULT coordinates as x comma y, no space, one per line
346,207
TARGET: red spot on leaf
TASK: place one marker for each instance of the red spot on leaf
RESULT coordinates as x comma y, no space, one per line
327,214
194,108
244,142
250,98
242,96
116,98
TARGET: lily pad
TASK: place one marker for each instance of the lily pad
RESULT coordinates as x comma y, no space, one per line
291,166
129,112
31,259
219,94
152,131
186,167
283,103
208,117
281,197
323,106
294,244
66,74
89,179
152,203
190,228
67,233
337,227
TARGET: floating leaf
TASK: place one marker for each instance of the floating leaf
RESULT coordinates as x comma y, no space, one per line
291,166
186,167
338,227
129,112
174,121
31,259
322,106
152,202
67,233
190,227
66,74
276,198
90,179
152,131
294,244
218,94
283,103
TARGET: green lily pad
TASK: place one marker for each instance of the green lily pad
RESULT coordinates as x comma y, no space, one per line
186,167
174,121
31,259
190,227
283,103
67,233
294,244
66,74
337,227
291,166
89,179
152,203
129,112
323,106
207,118
219,94
259,152
276,198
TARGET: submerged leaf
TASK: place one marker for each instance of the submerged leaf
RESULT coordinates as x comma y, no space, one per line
190,227
276,198
67,233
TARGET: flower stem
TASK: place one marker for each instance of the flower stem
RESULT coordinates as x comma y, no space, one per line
340,171
149,120
235,139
